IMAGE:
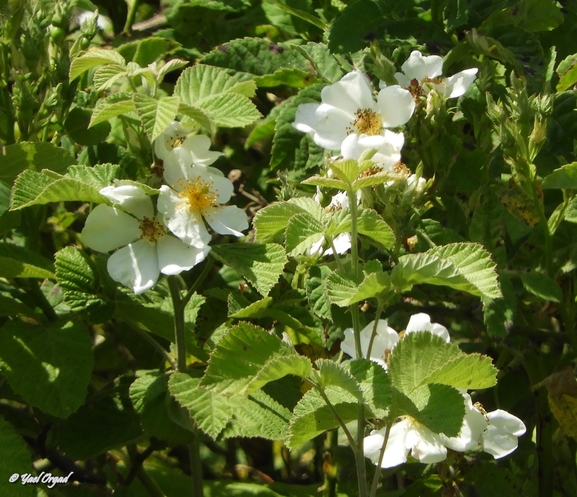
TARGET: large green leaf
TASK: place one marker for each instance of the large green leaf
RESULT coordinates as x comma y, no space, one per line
210,410
464,266
82,183
260,264
422,358
256,56
19,262
149,395
542,286
49,367
247,358
375,385
18,157
563,178
15,459
155,114
302,232
332,373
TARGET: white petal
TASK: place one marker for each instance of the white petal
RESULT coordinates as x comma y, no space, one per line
350,94
177,166
419,67
395,106
474,425
175,256
385,339
222,186
422,322
198,146
163,145
342,243
459,83
331,127
135,266
425,445
402,79
306,119
108,228
396,450
131,198
227,220
500,439
388,146
186,225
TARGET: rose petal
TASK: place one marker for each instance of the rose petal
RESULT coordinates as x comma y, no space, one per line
227,220
135,266
350,94
420,67
395,106
175,256
131,198
107,228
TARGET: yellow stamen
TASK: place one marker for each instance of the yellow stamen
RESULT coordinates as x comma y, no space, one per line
367,122
151,229
199,194
177,142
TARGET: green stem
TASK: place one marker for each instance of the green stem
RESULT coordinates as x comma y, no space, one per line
208,264
330,483
132,8
179,305
179,330
159,348
546,231
41,301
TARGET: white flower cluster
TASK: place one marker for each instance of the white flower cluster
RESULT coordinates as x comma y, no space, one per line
494,432
350,121
174,237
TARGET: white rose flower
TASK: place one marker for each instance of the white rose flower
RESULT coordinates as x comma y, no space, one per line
196,196
177,147
422,322
348,108
423,73
148,249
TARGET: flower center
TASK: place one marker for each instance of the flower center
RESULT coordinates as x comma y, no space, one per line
151,229
177,142
367,122
198,194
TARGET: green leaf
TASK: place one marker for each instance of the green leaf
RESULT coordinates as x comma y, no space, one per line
253,310
258,415
370,224
567,72
93,58
210,410
463,266
156,115
255,56
260,264
149,395
18,157
302,232
422,358
199,116
14,459
375,385
343,290
114,105
273,219
312,416
325,182
323,61
105,77
348,32
542,286
230,110
438,407
11,307
49,367
563,178
81,184
77,276
315,287
302,14
79,127
248,357
332,373
201,82
19,262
